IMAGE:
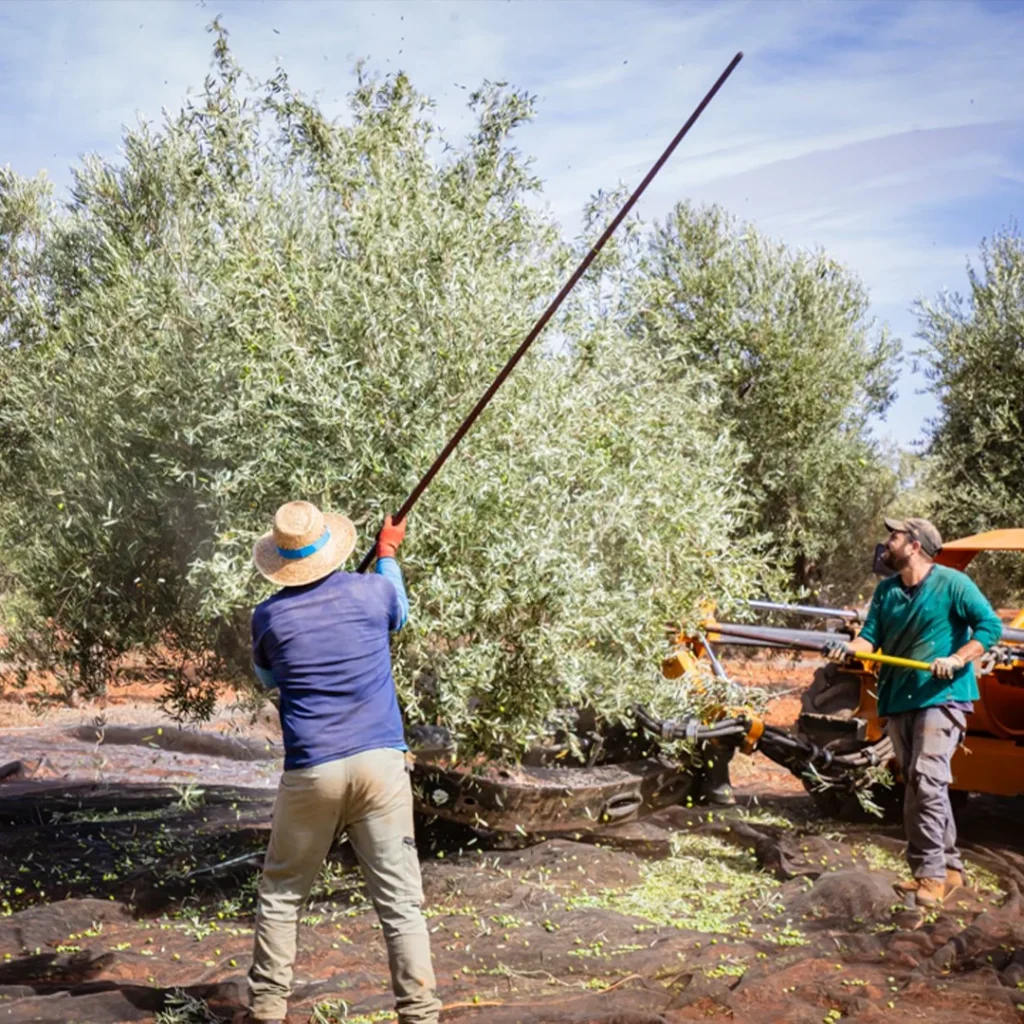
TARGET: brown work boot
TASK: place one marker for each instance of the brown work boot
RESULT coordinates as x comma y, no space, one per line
954,880
930,892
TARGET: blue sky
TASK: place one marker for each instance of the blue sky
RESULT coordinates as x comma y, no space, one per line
892,134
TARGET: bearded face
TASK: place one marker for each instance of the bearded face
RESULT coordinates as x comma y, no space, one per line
898,551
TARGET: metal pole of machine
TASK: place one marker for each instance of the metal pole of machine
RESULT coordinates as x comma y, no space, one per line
726,631
806,609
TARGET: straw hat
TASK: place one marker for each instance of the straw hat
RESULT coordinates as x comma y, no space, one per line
304,546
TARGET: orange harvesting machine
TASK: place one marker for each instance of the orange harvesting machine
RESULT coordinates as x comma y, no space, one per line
839,728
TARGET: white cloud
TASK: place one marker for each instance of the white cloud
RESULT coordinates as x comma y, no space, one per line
875,130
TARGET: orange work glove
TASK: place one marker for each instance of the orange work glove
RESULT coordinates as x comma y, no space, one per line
390,537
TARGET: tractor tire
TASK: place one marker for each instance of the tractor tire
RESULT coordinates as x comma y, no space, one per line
835,692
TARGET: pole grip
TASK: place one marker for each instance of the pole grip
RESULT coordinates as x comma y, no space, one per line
888,659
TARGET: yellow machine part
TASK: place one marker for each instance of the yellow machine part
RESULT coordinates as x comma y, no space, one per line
991,760
754,734
678,663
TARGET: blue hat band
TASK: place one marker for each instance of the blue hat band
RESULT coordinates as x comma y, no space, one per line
293,554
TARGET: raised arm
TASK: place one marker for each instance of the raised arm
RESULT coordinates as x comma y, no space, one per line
390,538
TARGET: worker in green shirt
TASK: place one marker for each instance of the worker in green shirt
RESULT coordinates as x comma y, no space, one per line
926,612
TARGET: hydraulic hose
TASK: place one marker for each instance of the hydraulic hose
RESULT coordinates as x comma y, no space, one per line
792,752
692,729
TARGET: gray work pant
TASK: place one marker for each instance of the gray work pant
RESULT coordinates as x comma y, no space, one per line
925,741
369,796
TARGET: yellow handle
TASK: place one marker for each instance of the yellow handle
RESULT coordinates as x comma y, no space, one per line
888,659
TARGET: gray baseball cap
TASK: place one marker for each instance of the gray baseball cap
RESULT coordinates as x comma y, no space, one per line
920,530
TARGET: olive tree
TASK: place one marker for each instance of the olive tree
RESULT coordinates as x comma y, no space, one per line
974,358
259,304
797,368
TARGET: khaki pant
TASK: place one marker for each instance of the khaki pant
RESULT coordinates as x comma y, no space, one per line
925,742
369,796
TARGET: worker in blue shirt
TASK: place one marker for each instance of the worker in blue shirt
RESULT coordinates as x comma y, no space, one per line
323,642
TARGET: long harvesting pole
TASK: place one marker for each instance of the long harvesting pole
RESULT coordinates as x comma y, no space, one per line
548,313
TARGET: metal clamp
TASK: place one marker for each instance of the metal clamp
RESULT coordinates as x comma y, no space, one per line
753,735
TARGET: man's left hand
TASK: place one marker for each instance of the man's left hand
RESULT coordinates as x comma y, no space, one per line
946,668
390,536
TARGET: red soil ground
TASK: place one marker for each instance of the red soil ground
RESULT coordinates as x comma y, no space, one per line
115,893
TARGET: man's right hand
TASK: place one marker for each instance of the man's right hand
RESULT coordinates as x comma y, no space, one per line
837,650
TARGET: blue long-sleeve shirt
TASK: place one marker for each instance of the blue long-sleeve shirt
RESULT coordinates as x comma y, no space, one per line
325,647
392,571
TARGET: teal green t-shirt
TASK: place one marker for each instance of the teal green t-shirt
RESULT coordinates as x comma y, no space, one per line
934,620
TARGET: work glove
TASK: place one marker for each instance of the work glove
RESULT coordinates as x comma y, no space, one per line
837,650
390,537
946,668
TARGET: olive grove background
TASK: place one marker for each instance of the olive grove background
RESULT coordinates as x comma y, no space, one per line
256,304
973,352
799,369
